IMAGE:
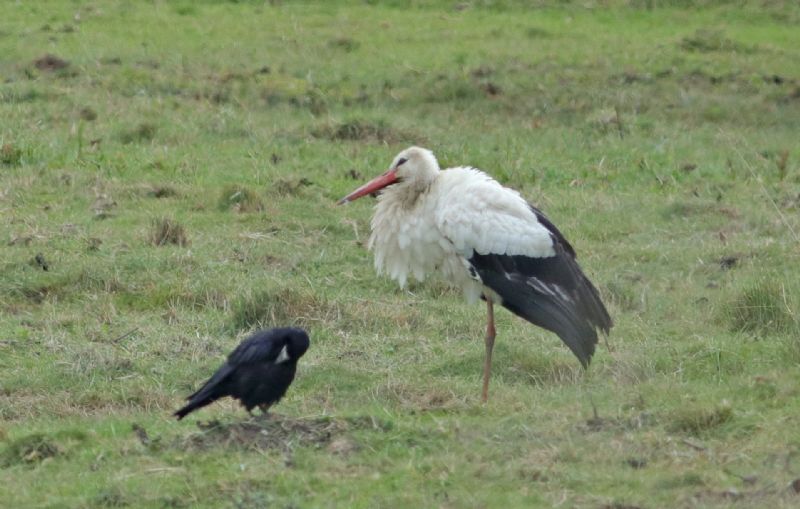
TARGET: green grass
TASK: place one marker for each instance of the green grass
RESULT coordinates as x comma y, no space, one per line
175,166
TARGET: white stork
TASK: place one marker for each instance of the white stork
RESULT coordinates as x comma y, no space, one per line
485,239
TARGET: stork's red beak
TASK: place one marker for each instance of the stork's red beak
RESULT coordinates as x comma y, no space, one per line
376,184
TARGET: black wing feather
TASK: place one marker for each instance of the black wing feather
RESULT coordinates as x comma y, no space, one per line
220,376
555,232
263,346
250,374
216,387
551,292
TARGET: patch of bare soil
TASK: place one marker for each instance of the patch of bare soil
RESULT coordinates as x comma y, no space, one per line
50,62
277,432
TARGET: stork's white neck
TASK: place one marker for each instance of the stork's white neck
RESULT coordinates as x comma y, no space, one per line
405,194
415,178
406,229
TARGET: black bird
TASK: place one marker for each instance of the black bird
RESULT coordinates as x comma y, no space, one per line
257,373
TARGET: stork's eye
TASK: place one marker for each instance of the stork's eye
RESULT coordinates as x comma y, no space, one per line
401,162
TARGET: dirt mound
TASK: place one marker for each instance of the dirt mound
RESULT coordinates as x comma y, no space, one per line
50,62
275,432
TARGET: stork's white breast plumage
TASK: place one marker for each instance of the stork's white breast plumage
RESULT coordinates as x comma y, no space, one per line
486,239
462,211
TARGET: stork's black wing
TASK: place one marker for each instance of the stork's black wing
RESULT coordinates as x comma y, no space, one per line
551,292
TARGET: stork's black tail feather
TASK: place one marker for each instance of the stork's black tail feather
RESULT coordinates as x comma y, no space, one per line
551,292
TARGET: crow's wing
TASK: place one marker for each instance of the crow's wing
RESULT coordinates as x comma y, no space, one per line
263,346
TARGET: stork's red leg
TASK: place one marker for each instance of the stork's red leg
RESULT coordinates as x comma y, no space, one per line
490,333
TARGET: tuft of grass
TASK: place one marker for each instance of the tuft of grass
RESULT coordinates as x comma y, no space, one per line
289,186
239,199
112,497
421,399
705,40
361,130
30,449
762,308
344,43
37,447
537,33
696,420
161,191
167,231
682,209
781,162
88,114
10,155
141,133
625,294
539,371
691,479
50,62
281,306
457,88
40,285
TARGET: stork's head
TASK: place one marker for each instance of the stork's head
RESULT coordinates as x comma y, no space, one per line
414,167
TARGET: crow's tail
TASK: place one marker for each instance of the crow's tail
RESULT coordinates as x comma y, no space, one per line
193,405
211,391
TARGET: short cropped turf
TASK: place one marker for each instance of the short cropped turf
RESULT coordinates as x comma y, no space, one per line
168,179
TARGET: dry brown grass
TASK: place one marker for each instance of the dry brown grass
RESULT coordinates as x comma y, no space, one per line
167,231
413,397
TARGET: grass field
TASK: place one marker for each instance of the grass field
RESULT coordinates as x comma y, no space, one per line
168,178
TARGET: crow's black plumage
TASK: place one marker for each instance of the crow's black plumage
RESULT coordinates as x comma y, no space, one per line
257,373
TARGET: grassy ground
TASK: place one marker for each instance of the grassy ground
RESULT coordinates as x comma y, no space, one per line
167,184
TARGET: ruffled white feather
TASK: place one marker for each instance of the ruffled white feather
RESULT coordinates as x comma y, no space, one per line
459,211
